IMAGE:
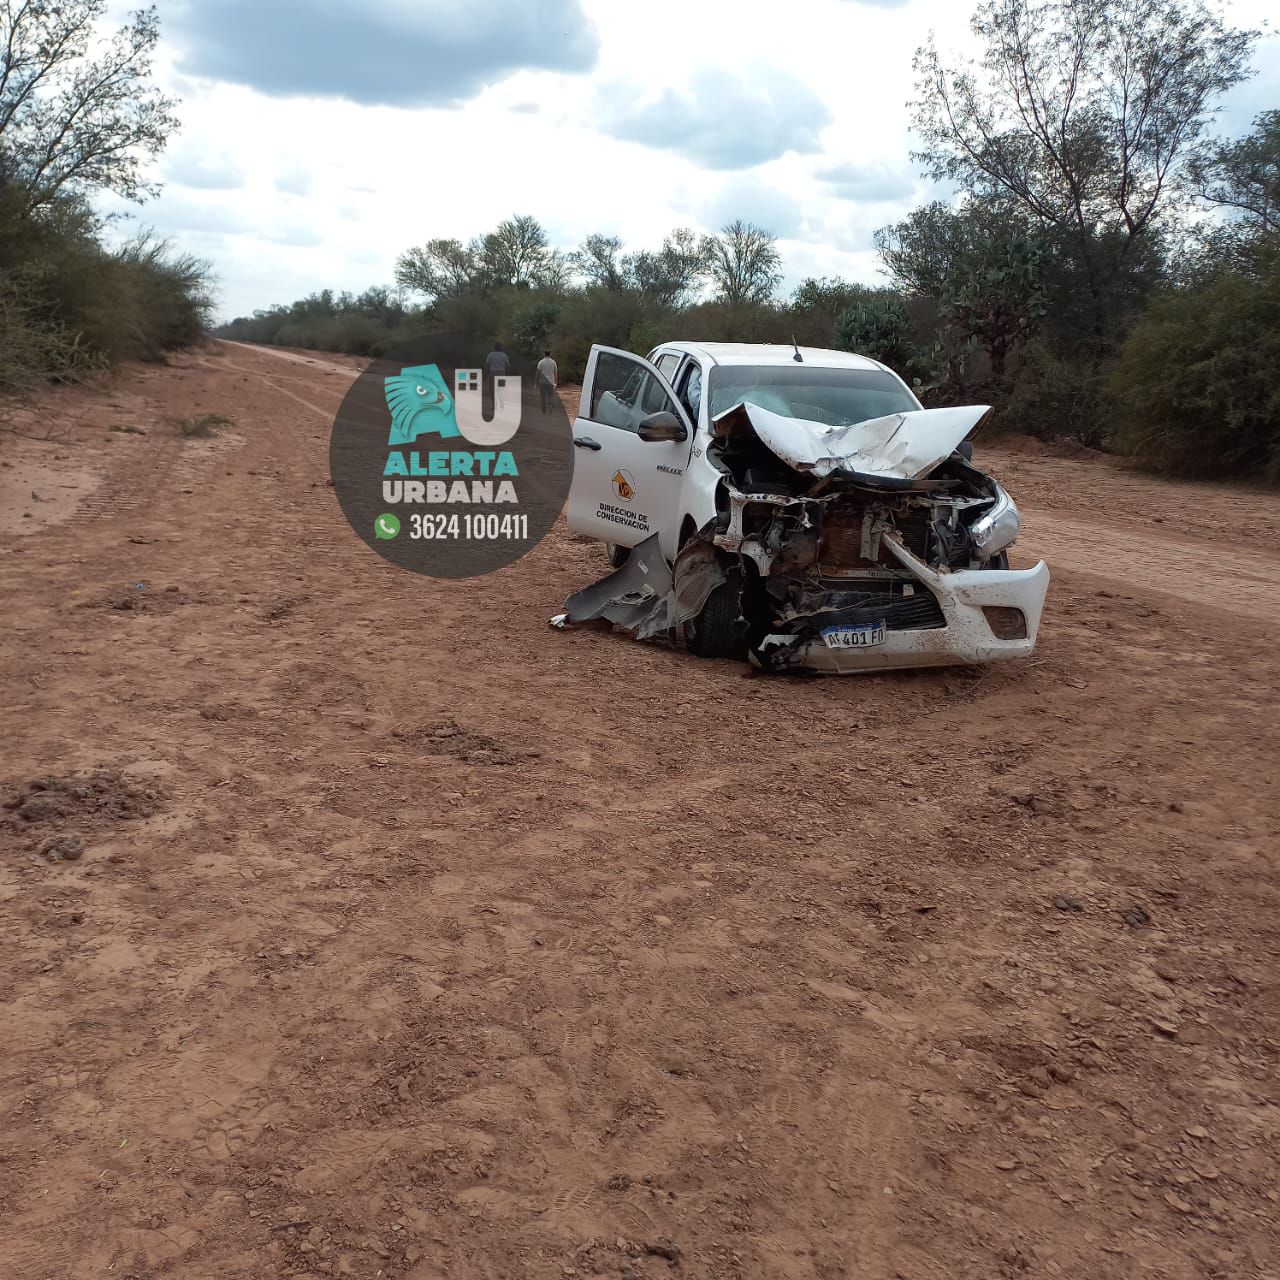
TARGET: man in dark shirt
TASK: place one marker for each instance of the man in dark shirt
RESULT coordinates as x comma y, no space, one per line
497,361
496,364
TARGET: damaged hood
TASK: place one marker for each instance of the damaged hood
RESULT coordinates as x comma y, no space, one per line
899,446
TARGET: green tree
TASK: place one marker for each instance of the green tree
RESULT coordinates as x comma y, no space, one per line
440,269
1240,181
1087,115
983,262
880,328
743,263
596,260
516,252
77,111
555,272
670,276
829,295
1243,177
531,326
1196,389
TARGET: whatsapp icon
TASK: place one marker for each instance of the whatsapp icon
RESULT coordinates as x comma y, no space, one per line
386,526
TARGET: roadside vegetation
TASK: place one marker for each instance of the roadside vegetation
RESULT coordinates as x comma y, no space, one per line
202,426
1105,273
78,116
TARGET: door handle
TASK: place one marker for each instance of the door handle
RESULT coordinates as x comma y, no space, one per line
586,442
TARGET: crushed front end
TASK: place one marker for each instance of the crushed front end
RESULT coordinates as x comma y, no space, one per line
845,570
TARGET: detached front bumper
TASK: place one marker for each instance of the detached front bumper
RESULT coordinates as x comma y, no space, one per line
969,636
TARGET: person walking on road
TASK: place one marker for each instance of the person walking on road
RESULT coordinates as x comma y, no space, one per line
548,378
497,364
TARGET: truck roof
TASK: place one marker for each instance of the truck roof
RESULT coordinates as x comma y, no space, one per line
773,353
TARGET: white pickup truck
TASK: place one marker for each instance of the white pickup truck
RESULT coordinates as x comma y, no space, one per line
797,506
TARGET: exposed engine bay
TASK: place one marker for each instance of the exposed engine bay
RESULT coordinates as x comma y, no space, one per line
821,540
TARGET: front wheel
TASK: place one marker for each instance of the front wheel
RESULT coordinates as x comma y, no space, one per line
717,630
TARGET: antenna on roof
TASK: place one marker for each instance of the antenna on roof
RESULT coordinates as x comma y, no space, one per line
798,358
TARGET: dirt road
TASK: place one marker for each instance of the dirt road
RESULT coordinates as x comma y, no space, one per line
382,930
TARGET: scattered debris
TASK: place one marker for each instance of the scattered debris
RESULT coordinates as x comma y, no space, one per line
448,737
62,848
138,599
663,1248
103,793
202,426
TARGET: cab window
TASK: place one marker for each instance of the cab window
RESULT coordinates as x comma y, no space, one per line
666,363
690,390
624,391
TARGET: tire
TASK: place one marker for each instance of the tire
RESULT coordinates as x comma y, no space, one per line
618,554
716,631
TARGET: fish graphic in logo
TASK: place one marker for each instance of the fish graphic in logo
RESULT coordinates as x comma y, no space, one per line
420,404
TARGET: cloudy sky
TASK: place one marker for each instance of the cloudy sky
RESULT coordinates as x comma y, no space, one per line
320,137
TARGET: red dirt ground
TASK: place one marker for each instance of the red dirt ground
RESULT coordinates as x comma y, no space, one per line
382,930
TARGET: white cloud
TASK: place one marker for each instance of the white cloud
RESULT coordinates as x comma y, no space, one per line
313,174
381,52
723,120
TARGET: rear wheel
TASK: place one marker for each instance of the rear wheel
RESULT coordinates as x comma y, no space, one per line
716,630
617,554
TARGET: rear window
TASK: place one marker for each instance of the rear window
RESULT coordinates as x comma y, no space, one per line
836,397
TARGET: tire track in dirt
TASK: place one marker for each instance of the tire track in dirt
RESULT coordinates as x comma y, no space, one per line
779,970
1242,582
323,366
274,383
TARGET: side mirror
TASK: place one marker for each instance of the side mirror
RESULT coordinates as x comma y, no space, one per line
662,427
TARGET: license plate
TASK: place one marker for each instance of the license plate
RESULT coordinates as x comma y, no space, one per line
864,637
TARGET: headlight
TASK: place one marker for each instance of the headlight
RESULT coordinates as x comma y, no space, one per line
998,528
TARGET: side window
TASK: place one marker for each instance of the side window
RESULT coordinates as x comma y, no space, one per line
655,397
690,390
667,364
624,391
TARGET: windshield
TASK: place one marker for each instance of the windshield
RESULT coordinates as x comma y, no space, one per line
836,397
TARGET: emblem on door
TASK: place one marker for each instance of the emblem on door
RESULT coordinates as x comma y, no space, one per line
624,485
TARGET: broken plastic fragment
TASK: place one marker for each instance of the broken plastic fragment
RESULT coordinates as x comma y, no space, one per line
643,596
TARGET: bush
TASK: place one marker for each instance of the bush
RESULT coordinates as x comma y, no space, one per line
1055,398
596,315
201,427
879,327
69,305
734,322
531,327
1196,391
